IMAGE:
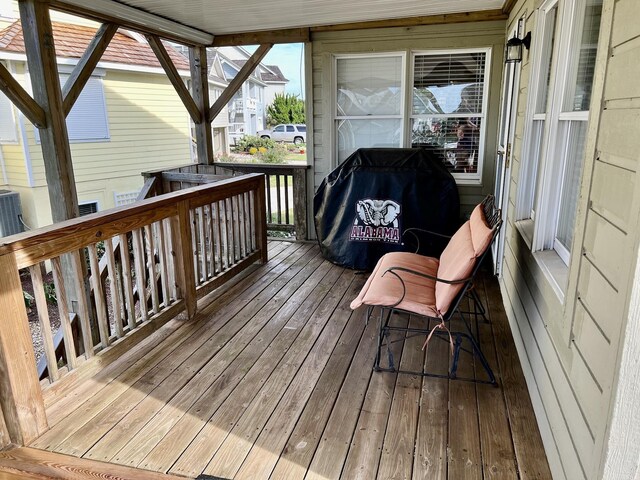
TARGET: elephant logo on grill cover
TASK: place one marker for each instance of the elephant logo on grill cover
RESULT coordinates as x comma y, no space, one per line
376,220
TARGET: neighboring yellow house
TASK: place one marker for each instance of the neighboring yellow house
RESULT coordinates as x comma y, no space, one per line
128,119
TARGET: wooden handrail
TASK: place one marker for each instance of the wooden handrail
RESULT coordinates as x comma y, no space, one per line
195,255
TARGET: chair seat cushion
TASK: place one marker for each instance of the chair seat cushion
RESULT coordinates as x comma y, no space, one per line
387,290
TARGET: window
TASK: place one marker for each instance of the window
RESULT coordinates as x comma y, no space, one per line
87,121
557,120
302,128
447,111
448,105
369,102
7,120
125,198
88,208
279,128
290,128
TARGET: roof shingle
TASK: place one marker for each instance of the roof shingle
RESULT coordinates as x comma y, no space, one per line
71,42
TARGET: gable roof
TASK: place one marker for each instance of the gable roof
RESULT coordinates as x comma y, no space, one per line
71,42
275,75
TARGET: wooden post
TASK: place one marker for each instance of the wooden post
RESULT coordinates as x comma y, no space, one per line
200,92
54,139
260,216
300,203
20,392
181,239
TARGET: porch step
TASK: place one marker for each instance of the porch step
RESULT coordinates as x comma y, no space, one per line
28,462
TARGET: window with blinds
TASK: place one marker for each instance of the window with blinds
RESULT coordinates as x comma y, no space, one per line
448,107
7,120
369,102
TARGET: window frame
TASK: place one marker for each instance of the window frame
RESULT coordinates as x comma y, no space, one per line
545,159
461,178
334,97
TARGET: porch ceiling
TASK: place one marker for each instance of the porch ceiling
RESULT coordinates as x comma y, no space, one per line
219,17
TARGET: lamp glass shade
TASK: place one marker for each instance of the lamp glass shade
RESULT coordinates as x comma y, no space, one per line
514,51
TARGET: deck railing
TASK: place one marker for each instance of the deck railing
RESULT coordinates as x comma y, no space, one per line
174,249
285,189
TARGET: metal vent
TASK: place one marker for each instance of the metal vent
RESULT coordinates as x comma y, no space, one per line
10,213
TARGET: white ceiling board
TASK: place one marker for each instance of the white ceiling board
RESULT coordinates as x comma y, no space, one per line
225,17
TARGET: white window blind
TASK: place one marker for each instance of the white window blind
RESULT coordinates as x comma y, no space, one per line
7,120
88,117
448,104
369,92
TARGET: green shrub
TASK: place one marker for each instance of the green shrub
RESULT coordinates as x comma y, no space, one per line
28,300
50,293
246,142
276,154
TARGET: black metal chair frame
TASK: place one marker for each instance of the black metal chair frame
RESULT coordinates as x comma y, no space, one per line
494,220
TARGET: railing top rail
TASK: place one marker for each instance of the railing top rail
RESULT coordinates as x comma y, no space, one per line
259,167
44,243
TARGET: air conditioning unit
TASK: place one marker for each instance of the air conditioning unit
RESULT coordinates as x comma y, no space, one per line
10,213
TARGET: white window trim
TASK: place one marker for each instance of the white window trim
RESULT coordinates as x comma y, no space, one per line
90,202
461,178
334,97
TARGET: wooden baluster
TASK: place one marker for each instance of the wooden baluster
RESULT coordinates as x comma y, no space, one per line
194,245
65,317
286,199
127,281
151,268
241,225
98,295
268,198
171,279
202,242
260,220
82,314
138,261
252,219
162,253
221,234
181,242
45,323
235,222
21,396
278,201
300,203
114,288
229,222
212,241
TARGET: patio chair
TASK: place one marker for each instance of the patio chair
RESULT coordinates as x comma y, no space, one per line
434,288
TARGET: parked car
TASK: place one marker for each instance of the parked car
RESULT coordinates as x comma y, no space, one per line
286,133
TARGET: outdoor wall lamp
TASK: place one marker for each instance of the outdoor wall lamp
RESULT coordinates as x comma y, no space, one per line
513,52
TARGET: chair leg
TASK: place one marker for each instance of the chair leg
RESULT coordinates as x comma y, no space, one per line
383,333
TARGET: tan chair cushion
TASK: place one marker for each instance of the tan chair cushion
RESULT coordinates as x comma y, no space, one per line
387,290
459,258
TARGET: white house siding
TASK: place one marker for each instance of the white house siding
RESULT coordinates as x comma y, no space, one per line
570,349
435,37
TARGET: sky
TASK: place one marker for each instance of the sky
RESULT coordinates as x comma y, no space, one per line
290,58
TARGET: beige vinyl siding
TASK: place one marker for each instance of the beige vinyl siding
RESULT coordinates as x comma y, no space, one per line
435,37
570,349
12,152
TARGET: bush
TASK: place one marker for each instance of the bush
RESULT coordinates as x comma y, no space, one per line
246,142
286,108
273,155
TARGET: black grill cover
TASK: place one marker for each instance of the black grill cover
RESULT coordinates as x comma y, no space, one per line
364,205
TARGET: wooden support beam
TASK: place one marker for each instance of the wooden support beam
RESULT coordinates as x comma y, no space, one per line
176,80
290,35
508,6
83,70
239,79
183,258
21,99
464,17
20,392
54,139
200,89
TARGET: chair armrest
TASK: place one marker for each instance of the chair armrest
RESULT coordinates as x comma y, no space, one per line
415,231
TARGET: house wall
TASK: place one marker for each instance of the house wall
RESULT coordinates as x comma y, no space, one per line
469,35
270,92
149,129
570,347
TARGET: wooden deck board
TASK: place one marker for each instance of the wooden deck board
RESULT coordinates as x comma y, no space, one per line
273,379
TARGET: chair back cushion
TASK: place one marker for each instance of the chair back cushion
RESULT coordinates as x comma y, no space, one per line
458,259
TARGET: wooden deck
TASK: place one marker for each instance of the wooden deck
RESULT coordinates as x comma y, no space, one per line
273,380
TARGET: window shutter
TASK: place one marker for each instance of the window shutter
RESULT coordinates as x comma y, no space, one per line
7,120
88,117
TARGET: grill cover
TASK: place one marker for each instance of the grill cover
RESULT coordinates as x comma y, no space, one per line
362,208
